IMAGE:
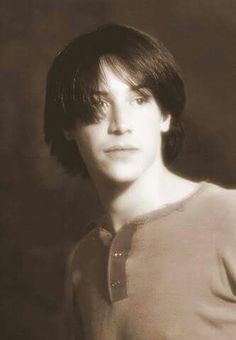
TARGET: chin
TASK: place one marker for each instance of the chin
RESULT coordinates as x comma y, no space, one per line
122,174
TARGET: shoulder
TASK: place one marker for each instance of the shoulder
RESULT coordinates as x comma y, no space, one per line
214,205
220,199
221,203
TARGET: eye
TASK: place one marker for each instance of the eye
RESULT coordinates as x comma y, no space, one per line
100,104
140,100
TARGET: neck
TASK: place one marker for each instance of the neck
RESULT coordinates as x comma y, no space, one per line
153,190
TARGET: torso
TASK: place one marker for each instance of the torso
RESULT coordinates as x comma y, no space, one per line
170,274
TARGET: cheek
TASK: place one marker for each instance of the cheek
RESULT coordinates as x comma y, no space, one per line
150,119
85,147
150,131
151,142
88,140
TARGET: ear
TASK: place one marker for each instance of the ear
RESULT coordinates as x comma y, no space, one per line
165,123
68,134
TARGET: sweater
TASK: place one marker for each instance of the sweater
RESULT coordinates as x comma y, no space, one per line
166,275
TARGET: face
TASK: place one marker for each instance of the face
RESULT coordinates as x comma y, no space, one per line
125,142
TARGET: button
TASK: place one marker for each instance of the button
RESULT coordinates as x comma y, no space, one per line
116,284
119,253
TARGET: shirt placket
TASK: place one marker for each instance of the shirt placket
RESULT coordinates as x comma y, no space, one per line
118,254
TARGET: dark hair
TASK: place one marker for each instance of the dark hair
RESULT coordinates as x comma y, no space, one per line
74,77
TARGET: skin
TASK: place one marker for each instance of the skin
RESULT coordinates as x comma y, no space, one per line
122,151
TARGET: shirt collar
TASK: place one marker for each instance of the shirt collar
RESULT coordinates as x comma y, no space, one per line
105,222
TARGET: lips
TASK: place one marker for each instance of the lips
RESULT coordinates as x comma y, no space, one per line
117,148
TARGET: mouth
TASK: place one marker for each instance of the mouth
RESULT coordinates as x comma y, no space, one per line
121,148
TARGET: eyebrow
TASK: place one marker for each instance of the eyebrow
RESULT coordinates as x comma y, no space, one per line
134,88
101,93
138,87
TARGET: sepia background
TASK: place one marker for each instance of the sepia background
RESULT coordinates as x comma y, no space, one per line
42,210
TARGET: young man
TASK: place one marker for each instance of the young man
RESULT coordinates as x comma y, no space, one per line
162,263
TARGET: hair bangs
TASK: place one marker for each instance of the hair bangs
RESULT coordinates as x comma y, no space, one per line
132,57
125,69
78,96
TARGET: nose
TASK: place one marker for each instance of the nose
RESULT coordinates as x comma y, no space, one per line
120,122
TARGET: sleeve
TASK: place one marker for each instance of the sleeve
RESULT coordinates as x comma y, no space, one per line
74,327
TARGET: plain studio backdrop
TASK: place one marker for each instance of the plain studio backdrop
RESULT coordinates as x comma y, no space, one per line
42,209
